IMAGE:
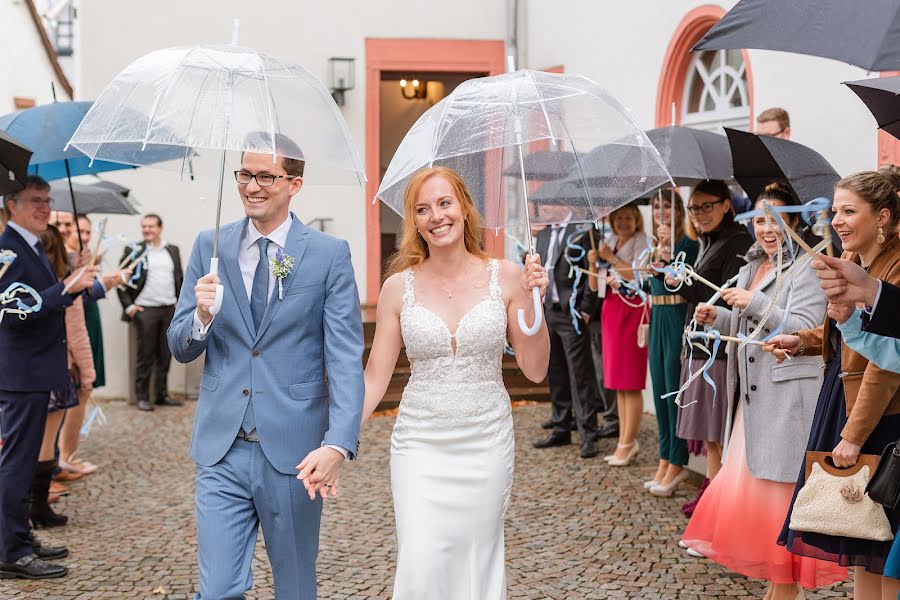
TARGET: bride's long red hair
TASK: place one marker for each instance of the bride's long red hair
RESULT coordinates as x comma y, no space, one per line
413,249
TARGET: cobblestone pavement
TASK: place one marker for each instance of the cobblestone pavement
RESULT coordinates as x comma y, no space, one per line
576,529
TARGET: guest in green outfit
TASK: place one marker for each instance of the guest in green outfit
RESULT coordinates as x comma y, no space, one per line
667,321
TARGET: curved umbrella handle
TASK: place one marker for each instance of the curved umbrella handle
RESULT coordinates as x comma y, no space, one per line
538,314
220,291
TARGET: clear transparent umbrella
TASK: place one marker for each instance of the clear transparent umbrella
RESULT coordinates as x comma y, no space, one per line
212,99
486,122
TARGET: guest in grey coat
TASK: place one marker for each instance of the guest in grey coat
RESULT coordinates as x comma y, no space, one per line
770,412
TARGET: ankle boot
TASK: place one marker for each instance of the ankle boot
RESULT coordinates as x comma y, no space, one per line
41,513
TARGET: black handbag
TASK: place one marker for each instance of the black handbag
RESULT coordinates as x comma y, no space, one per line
884,486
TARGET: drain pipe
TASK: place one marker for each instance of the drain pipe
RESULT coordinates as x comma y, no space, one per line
512,35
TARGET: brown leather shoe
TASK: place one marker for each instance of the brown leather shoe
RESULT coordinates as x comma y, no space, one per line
67,476
59,489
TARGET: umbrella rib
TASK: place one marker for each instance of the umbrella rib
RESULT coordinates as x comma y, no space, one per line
438,136
267,97
187,147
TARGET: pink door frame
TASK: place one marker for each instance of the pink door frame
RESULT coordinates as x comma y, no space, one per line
448,56
678,58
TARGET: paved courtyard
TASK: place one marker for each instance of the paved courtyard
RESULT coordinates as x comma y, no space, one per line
576,529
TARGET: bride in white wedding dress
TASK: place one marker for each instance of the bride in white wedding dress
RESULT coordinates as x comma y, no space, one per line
452,445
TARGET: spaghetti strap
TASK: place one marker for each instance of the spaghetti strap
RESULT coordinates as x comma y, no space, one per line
409,290
494,286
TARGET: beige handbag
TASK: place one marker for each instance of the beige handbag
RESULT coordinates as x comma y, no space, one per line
643,331
833,501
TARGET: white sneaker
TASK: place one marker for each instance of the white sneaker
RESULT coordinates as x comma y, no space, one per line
694,553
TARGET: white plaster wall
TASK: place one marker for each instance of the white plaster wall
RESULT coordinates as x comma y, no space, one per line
113,33
25,69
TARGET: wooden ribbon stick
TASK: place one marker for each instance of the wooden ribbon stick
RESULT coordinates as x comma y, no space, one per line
7,257
96,255
727,338
796,237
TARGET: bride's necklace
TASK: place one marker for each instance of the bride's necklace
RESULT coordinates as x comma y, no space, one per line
449,290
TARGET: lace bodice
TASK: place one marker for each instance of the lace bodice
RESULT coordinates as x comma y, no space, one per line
461,387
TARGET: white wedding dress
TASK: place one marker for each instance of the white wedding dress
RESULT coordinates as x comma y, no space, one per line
452,453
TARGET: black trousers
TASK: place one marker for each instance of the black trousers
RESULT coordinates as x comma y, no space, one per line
23,416
606,402
153,354
573,386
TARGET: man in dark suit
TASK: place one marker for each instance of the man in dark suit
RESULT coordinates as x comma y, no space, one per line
33,361
149,303
573,385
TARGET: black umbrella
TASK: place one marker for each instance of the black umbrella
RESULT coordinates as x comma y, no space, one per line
865,34
762,159
14,159
880,95
692,155
545,165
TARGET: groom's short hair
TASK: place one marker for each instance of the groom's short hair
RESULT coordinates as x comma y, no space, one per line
291,155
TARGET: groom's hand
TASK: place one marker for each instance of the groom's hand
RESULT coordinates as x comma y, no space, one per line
205,291
320,472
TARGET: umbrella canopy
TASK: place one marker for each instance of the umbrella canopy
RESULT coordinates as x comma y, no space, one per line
692,155
762,159
218,98
863,34
47,129
487,121
13,164
545,165
102,197
879,94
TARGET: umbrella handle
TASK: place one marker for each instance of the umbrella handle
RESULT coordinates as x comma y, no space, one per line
538,314
220,291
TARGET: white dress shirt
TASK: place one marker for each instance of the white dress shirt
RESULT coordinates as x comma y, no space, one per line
248,258
159,287
556,245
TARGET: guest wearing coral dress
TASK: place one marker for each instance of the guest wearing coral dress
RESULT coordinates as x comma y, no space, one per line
738,519
624,362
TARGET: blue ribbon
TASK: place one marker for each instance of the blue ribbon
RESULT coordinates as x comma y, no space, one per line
13,295
575,254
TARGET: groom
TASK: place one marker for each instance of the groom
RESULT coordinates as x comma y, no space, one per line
282,382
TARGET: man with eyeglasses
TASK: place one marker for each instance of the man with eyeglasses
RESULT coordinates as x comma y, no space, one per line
33,362
148,302
282,388
774,122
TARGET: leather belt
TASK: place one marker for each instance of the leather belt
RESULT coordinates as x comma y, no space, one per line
248,437
663,300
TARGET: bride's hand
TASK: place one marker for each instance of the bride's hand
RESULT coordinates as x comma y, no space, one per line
320,472
535,275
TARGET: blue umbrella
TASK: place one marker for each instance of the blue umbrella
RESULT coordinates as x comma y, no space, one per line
46,129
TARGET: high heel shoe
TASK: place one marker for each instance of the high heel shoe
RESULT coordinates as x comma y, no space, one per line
610,457
626,460
651,484
665,491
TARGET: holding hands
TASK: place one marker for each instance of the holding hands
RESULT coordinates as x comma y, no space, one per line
320,472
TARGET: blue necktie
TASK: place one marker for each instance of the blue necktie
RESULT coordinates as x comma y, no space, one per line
258,299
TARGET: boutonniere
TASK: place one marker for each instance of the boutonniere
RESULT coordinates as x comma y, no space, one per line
281,268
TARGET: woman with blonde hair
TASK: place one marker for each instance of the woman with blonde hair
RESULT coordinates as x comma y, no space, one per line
624,360
858,409
452,444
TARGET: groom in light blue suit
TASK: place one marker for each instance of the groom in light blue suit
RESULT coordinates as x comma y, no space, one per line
282,382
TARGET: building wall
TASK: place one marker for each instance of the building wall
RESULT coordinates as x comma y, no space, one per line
113,33
26,68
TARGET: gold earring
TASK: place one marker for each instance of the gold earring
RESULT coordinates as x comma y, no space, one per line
880,237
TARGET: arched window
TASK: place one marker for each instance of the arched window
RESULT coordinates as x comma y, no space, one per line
715,92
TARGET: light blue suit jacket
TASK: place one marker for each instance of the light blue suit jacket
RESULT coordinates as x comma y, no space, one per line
303,369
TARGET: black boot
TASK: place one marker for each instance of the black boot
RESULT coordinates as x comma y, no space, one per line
41,513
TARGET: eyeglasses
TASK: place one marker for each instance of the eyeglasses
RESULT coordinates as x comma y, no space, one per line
262,179
705,207
41,202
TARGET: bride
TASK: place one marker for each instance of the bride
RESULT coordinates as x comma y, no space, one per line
452,444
